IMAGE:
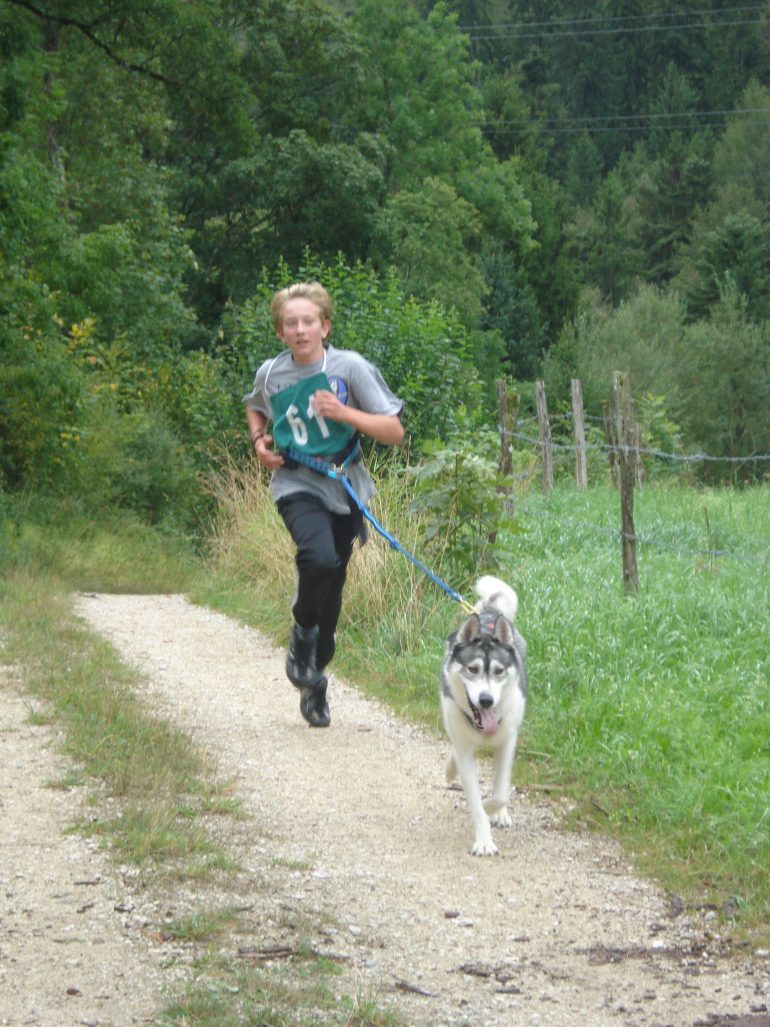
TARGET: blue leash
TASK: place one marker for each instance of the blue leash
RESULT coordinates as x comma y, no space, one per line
338,472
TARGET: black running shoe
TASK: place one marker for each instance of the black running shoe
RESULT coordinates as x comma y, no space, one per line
300,657
313,704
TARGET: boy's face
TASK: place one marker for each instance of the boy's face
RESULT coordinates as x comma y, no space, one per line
302,330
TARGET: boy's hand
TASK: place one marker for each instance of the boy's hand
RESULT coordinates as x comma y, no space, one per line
327,405
265,453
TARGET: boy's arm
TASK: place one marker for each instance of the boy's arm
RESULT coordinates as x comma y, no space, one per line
257,424
261,440
385,428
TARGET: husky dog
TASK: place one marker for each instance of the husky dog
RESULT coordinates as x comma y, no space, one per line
483,694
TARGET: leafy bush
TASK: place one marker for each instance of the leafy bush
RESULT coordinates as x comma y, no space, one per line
136,461
710,380
641,337
458,495
40,401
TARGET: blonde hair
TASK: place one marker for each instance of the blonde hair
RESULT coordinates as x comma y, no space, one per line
313,291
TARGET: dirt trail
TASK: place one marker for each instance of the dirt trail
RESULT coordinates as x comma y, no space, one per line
355,823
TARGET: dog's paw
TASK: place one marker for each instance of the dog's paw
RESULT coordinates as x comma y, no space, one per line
485,847
502,818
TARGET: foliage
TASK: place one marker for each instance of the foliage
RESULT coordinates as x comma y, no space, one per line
605,239
742,151
642,337
716,372
511,309
429,232
737,254
458,493
40,395
658,434
444,183
724,388
135,461
155,159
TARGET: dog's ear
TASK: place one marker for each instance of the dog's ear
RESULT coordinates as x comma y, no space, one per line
504,631
470,630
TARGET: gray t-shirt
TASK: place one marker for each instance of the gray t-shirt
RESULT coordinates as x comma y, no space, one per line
358,384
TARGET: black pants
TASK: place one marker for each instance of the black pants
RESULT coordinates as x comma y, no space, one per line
324,542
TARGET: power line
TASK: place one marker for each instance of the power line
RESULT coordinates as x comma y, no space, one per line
609,129
574,28
616,32
592,119
611,19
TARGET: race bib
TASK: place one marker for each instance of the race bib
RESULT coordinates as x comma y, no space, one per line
296,424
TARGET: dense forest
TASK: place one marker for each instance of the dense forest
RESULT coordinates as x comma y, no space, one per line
489,188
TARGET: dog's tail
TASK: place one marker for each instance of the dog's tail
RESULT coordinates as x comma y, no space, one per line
493,592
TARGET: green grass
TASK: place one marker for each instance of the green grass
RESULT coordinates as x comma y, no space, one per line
652,708
659,702
79,550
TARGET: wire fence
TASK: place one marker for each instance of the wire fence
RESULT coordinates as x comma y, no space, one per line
608,447
624,454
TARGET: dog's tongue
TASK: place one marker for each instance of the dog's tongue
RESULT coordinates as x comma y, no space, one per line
489,724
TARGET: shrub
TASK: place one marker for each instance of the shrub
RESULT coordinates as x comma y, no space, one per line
136,461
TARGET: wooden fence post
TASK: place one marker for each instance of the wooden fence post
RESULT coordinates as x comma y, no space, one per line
579,435
508,412
624,429
611,442
546,444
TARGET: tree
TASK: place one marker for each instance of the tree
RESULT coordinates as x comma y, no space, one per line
511,309
427,235
583,171
729,234
669,194
724,385
642,336
421,100
605,239
742,154
738,253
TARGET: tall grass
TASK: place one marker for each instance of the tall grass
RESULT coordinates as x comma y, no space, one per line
656,706
112,551
659,702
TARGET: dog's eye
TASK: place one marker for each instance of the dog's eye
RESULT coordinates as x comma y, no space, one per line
474,669
498,670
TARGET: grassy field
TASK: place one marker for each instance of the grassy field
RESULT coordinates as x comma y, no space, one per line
659,704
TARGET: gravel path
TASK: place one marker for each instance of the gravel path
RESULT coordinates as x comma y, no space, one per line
352,827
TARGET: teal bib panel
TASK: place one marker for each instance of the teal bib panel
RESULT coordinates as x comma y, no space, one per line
296,424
